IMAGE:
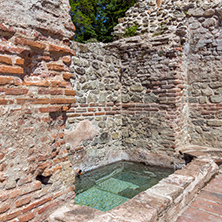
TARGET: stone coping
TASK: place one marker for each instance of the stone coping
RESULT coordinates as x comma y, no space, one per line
202,151
162,202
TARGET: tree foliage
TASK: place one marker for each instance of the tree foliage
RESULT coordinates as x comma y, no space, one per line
96,18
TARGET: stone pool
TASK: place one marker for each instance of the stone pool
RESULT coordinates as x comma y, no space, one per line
109,186
161,202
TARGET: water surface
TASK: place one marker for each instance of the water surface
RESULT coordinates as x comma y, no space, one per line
109,186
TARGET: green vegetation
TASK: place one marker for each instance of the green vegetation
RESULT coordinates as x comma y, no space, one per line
95,19
131,31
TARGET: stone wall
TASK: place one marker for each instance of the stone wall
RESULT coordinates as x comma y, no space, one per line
96,80
133,93
165,102
195,26
205,75
153,95
35,93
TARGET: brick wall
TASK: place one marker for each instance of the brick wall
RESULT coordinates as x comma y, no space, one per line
35,93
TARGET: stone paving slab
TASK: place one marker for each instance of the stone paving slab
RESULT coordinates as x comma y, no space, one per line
207,207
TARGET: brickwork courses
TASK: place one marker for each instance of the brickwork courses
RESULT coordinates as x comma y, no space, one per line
143,98
35,93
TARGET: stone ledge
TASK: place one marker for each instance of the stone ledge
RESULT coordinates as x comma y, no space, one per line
194,151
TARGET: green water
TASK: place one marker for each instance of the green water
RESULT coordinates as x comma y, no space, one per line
109,186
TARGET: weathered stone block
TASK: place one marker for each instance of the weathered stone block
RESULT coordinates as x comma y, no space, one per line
216,99
216,123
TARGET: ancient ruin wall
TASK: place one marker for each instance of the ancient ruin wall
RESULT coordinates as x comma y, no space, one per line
35,93
205,75
133,94
141,96
96,80
155,75
197,25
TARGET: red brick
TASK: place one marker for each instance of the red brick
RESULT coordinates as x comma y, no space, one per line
70,92
14,91
183,219
59,84
11,70
11,49
6,80
1,157
39,83
74,114
48,207
65,108
6,60
52,171
42,166
58,49
27,217
45,58
127,105
209,195
2,178
56,67
22,201
50,109
151,109
32,44
209,206
10,216
60,159
3,197
6,29
36,204
110,104
214,185
33,101
196,215
4,208
67,76
29,188
100,113
14,193
66,59
5,102
50,91
19,61
62,101
88,114
91,109
84,105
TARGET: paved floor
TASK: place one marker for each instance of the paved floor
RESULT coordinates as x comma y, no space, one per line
207,207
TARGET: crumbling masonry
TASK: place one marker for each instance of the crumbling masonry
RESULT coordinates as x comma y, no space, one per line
146,96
